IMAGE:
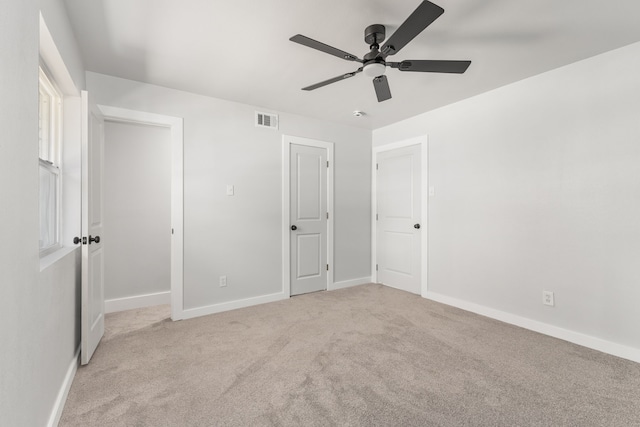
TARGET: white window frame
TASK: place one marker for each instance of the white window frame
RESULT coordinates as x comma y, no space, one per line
51,159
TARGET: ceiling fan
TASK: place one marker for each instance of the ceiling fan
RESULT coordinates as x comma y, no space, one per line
374,63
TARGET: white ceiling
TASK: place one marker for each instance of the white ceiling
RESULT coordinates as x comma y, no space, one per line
240,50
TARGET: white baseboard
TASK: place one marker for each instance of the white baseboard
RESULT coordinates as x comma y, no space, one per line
588,341
232,305
349,283
56,412
138,301
248,302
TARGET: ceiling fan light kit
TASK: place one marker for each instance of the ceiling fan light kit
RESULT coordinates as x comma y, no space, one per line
374,63
374,69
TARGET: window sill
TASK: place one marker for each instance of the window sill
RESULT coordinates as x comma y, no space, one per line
48,260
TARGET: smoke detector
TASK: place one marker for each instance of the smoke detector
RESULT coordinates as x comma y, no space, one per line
358,113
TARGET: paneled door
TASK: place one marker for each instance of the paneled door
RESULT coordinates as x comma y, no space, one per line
398,228
308,217
92,318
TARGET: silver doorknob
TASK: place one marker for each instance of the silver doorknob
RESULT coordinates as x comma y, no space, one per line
417,226
294,228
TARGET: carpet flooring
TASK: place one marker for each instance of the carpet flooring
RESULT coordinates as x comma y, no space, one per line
364,356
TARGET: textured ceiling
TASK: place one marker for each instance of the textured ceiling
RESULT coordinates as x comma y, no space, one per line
240,50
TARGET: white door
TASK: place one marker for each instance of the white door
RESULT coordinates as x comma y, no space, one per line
92,322
398,230
308,201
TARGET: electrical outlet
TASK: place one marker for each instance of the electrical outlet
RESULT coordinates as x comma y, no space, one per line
547,298
223,281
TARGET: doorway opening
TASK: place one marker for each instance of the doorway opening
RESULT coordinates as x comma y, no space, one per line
154,223
137,208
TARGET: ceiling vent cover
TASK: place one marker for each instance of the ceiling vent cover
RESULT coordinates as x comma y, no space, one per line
265,120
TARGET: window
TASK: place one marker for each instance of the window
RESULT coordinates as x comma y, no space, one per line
50,145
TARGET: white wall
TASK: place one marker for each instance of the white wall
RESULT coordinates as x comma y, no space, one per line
19,209
239,236
537,186
39,310
137,210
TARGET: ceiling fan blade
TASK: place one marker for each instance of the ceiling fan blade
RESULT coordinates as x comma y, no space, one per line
420,19
306,41
382,88
333,80
432,66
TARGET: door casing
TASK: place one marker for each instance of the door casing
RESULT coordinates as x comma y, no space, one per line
286,208
175,124
424,157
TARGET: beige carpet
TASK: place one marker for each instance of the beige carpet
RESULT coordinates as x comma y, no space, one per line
364,356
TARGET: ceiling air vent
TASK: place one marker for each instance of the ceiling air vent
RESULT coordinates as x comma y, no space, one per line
264,120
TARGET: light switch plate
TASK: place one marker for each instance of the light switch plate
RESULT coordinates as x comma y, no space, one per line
230,190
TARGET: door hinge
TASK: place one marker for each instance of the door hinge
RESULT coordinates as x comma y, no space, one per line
327,267
327,215
376,166
376,217
172,231
376,267
327,163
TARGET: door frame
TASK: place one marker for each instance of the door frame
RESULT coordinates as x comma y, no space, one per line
423,142
287,141
175,124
